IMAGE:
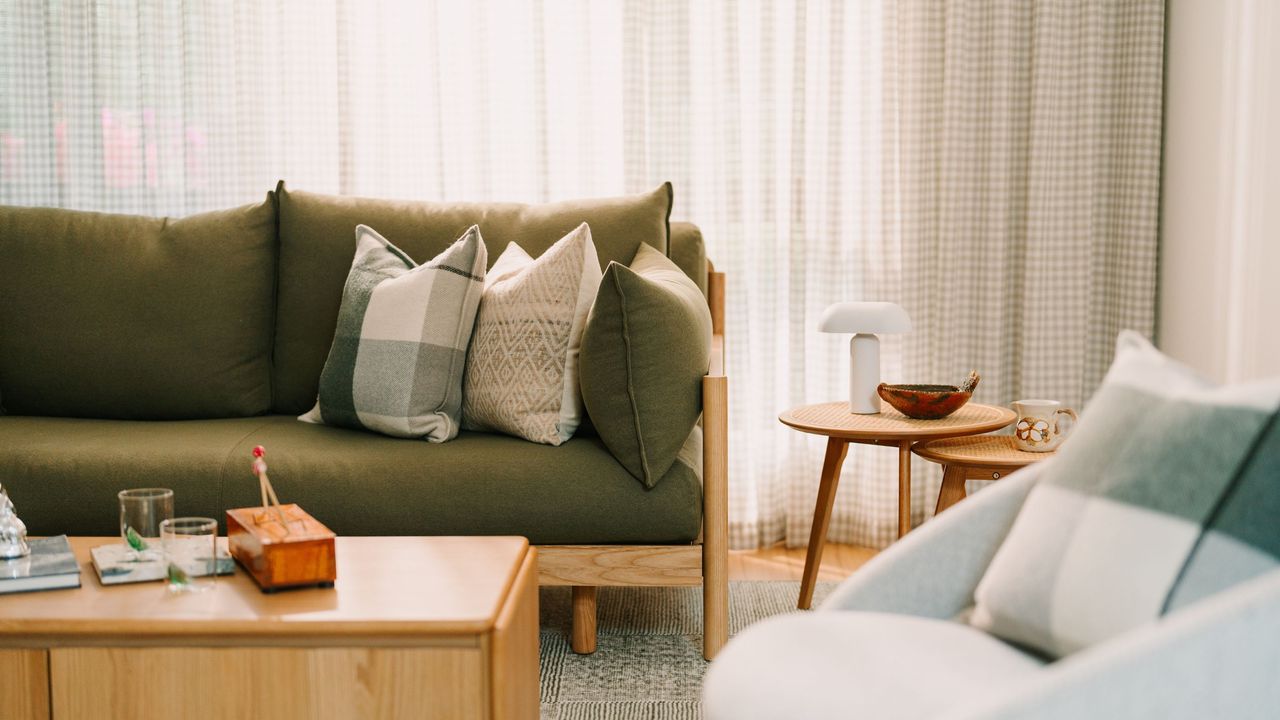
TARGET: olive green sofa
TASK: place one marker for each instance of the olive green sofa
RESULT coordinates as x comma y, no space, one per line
158,352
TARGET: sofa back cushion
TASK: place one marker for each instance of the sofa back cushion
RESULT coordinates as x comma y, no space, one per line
317,241
689,252
126,317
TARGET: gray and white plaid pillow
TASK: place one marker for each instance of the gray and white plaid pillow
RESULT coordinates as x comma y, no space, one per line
400,347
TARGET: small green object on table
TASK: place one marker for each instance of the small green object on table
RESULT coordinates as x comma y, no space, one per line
135,540
177,576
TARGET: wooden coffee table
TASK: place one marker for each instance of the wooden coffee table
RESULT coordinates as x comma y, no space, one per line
888,427
416,627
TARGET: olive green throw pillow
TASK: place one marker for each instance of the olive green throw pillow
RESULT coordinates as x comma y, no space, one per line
645,349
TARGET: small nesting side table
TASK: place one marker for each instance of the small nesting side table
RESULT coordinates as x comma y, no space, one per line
888,427
982,457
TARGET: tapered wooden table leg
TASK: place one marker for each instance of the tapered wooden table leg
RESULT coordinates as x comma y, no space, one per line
952,490
836,450
904,488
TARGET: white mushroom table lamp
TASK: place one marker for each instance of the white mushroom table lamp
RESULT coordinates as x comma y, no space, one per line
865,320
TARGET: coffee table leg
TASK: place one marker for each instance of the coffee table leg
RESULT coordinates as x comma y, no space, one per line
836,450
904,488
952,490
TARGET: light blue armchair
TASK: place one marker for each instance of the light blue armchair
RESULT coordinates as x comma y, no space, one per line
891,642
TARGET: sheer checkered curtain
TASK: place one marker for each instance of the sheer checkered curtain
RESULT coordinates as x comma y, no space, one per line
991,166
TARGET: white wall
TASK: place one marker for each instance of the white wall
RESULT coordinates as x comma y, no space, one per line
1219,305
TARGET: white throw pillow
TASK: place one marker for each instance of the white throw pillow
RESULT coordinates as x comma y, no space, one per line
522,366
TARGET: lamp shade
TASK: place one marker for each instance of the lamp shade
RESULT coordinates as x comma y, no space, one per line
864,317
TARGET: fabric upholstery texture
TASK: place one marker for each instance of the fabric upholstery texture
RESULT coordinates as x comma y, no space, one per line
63,475
401,344
522,368
934,570
1165,493
645,349
689,252
119,316
802,665
1215,658
316,246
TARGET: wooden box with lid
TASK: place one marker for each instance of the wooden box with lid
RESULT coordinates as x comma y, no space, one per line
282,547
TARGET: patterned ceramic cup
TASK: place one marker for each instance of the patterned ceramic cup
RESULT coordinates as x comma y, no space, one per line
1039,428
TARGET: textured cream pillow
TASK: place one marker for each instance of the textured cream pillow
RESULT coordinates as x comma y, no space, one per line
522,366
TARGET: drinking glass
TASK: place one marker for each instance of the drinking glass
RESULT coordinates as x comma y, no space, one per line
141,512
190,552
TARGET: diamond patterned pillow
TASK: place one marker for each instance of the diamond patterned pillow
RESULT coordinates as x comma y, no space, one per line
399,351
522,368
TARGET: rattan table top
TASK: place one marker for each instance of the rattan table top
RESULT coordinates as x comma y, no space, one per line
979,451
833,419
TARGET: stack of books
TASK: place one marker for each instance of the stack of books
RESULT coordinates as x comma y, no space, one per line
50,566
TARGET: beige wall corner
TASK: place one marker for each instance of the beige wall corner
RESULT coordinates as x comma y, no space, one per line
1220,237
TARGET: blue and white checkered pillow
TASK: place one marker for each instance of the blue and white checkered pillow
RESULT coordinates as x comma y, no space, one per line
400,348
1166,492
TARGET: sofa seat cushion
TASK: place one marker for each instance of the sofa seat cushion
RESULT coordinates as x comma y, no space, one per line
854,665
476,484
63,473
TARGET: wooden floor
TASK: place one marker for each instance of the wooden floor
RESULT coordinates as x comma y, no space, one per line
781,563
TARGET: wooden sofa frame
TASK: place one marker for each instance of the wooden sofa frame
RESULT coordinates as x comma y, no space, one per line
705,563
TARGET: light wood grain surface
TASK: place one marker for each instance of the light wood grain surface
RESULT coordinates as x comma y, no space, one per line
979,451
24,684
97,683
583,635
395,590
833,419
620,564
715,515
415,628
778,562
513,651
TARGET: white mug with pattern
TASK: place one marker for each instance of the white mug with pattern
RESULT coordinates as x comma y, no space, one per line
1039,428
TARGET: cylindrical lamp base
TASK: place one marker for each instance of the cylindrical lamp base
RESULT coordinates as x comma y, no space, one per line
864,374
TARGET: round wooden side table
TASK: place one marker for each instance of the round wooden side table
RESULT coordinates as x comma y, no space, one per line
983,457
888,427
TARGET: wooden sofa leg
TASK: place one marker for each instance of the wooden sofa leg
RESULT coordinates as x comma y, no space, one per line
715,605
583,636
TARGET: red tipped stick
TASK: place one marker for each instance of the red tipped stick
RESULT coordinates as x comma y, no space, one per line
264,485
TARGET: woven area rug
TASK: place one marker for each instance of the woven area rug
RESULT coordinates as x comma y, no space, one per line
648,663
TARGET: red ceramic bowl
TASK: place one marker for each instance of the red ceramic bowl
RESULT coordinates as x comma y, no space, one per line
924,402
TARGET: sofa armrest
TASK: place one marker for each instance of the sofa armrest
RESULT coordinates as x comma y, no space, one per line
1218,658
715,479
932,572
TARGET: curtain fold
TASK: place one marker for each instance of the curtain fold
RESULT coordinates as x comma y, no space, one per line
993,167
